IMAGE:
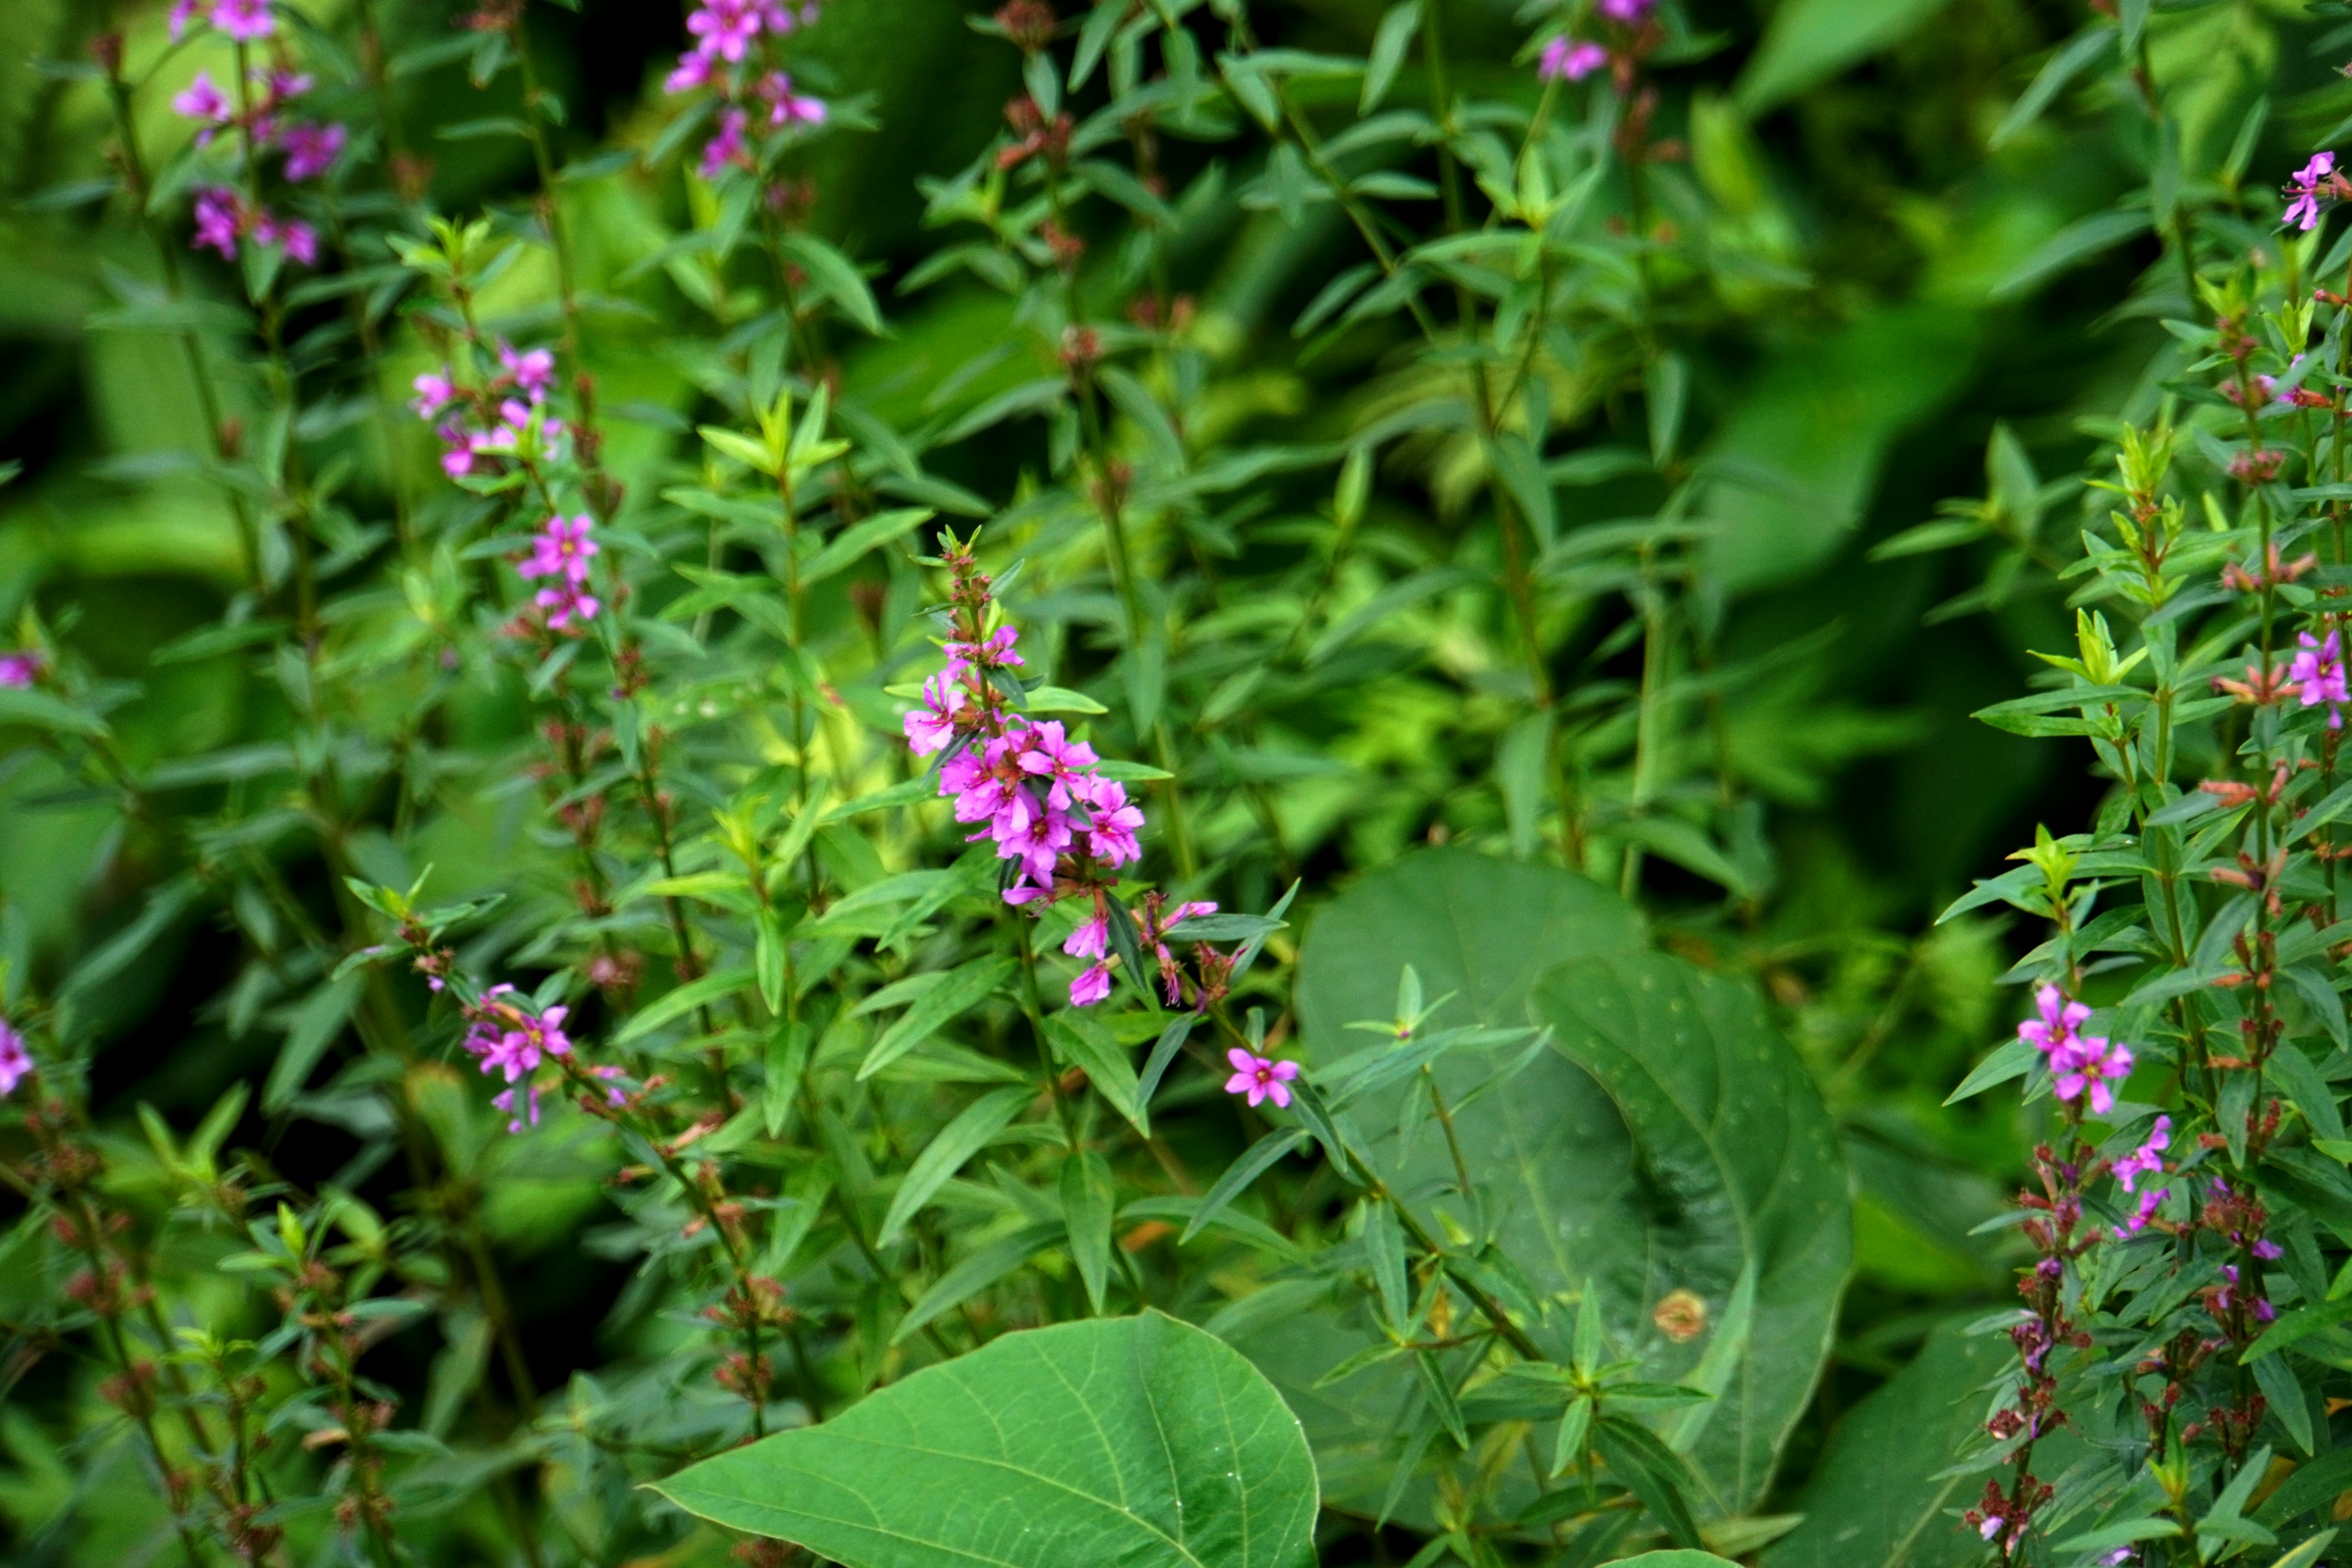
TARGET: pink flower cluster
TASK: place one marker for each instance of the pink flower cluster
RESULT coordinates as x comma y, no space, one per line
506,425
1032,787
310,148
224,217
561,551
16,1062
20,668
243,20
724,32
2081,1062
2317,671
510,1039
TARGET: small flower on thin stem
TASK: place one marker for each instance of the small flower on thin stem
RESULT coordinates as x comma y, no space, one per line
1627,11
1565,59
533,371
243,20
2313,182
435,392
2060,1018
298,238
2317,672
1259,1079
560,548
565,605
728,146
2147,1159
2149,1202
16,1062
312,150
932,727
2093,1064
203,102
786,107
220,217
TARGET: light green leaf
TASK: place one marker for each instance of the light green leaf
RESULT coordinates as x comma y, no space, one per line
1809,41
962,990
958,1142
1137,1441
316,1024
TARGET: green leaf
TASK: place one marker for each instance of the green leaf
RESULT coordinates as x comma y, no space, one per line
1881,1495
734,444
836,279
1809,41
316,1024
1660,1080
958,1142
1060,699
1081,1038
1086,1203
1238,1175
977,1272
1140,1441
962,990
1389,47
2078,241
2083,51
845,548
1163,1053
684,999
1677,1558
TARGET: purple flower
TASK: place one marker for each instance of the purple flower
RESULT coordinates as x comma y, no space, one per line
564,604
182,12
1092,985
1112,824
435,392
724,28
220,218
693,70
994,652
2303,211
1565,59
1629,12
1046,754
786,107
456,450
2092,1063
2148,1158
533,371
561,548
15,1060
2060,1018
1991,1526
300,240
931,727
243,20
1091,940
505,1100
312,150
728,146
205,102
20,669
528,1040
1260,1079
1034,837
2317,672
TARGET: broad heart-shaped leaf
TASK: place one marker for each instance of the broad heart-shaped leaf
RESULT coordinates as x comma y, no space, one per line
1141,1442
1878,1498
1668,1141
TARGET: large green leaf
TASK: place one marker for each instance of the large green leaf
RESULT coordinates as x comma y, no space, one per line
1810,41
1878,1499
1137,1441
1669,1141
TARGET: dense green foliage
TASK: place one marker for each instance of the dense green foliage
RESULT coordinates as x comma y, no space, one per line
1481,483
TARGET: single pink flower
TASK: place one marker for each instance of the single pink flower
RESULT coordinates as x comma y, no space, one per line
1628,12
2148,1158
16,1062
1091,940
20,669
435,392
2317,672
312,150
2094,1064
220,219
2059,1020
728,146
2310,182
1091,986
243,20
561,548
1565,59
205,103
1260,1079
565,605
534,372
932,727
